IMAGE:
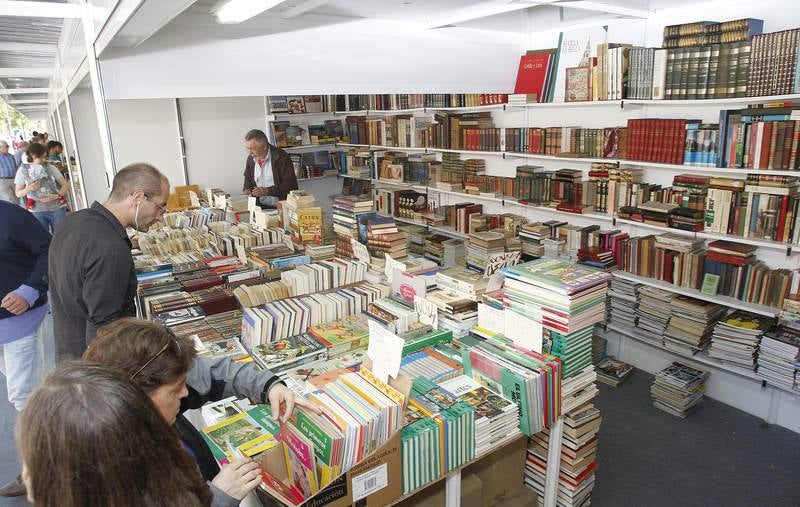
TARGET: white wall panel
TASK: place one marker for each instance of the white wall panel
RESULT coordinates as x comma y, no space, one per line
88,138
146,131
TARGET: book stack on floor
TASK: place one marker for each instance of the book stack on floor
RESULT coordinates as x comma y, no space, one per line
690,326
736,338
481,246
612,371
623,300
653,313
678,389
578,458
383,237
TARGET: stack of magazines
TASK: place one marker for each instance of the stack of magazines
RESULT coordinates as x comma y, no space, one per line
678,389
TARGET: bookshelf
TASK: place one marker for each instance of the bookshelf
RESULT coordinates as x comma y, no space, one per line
722,300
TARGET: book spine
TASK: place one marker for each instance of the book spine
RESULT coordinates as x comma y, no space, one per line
733,67
743,69
692,76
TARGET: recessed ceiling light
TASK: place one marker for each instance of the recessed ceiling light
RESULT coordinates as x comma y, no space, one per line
236,11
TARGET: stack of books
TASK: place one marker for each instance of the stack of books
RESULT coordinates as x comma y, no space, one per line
578,458
653,313
470,283
454,253
623,300
578,389
434,247
348,212
689,329
613,372
532,235
779,357
343,335
568,296
320,252
574,349
736,338
481,246
397,316
416,237
678,389
383,237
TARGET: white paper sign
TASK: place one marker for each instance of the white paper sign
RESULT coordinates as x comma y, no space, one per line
495,282
370,481
392,267
194,199
240,252
360,250
287,240
409,285
427,311
210,197
386,350
523,331
501,260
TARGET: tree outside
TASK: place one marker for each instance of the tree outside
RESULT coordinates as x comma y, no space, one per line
13,124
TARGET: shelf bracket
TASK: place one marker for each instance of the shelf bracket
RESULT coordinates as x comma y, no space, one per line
622,105
614,222
788,251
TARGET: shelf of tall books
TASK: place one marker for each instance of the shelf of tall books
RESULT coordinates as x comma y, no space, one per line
490,257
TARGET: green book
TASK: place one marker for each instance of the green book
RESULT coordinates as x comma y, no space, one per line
710,284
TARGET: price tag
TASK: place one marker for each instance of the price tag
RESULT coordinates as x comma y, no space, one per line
428,312
498,261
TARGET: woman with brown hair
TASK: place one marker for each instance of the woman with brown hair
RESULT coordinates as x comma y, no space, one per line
166,368
90,438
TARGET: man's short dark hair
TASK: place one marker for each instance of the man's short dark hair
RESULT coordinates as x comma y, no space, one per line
258,135
139,176
54,144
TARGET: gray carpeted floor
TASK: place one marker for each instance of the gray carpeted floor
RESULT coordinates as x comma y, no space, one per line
717,456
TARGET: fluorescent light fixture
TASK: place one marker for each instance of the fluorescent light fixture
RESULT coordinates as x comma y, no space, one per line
236,11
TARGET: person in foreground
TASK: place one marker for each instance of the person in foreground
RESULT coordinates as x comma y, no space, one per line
167,369
88,437
92,277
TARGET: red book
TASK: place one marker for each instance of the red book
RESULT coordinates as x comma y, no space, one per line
787,144
532,74
782,218
727,259
763,156
680,142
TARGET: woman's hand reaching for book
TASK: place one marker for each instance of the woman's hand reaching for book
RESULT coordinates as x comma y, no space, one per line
282,399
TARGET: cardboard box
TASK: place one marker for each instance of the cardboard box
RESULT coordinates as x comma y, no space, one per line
374,482
434,496
501,472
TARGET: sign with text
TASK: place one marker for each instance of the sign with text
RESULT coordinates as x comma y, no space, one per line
498,261
392,268
428,312
360,250
386,350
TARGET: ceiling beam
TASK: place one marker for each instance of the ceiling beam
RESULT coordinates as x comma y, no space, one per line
481,10
28,101
28,48
303,7
606,8
34,72
21,91
40,9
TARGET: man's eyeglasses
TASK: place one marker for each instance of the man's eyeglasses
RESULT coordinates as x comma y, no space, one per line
161,208
171,340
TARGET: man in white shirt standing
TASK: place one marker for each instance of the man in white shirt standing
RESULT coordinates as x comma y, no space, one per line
269,172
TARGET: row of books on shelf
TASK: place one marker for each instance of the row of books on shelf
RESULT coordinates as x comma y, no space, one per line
299,104
739,62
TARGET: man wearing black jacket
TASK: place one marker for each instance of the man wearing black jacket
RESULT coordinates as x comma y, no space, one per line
167,369
24,245
268,172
